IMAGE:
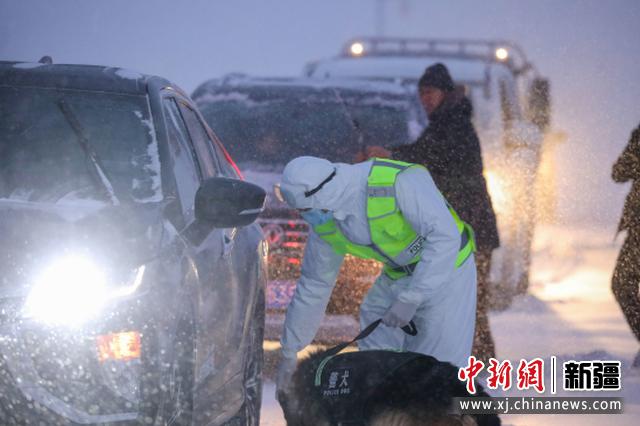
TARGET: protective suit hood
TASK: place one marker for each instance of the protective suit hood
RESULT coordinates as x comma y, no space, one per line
304,174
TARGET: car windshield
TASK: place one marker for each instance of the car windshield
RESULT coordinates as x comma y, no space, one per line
274,124
67,144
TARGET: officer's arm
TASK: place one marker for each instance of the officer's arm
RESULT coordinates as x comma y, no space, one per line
424,208
320,267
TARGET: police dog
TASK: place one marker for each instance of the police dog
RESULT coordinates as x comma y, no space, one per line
378,388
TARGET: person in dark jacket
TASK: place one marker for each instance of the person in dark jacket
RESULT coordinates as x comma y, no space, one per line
626,276
450,149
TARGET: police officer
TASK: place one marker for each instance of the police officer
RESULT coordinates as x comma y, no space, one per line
390,211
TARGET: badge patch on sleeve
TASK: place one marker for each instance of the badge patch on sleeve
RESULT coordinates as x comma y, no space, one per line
338,383
416,245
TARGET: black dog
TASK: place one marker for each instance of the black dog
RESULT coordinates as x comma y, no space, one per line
376,388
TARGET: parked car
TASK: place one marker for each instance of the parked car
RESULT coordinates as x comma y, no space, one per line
512,115
132,277
266,122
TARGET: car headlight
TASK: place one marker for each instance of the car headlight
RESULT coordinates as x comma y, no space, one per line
73,289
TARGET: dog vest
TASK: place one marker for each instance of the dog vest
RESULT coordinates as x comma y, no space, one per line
393,240
345,381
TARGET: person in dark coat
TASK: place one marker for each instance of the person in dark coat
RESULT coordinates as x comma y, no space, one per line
626,276
450,149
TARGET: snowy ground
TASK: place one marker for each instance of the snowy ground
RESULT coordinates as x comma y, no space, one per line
570,313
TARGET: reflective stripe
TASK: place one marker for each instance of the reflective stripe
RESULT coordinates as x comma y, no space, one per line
464,239
393,240
467,245
464,255
381,191
383,254
331,226
379,162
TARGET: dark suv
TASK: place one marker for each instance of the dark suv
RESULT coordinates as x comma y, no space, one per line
132,280
265,122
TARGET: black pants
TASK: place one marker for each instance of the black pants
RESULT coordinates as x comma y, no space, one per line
626,280
483,346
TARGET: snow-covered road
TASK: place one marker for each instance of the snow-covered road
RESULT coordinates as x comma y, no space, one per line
570,313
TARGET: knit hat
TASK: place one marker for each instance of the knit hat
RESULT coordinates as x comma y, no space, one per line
437,76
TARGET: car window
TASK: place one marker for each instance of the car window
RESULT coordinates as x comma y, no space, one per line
185,168
229,168
201,141
48,137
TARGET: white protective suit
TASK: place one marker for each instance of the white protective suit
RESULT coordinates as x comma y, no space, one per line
445,295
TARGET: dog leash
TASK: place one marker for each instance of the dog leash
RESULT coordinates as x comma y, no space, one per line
410,329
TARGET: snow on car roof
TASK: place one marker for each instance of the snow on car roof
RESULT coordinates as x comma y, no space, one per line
402,68
237,81
74,76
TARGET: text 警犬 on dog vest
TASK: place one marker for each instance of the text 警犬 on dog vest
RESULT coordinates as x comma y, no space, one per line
347,381
393,240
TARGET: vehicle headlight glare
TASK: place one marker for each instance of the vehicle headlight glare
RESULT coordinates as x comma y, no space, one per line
72,290
357,48
502,54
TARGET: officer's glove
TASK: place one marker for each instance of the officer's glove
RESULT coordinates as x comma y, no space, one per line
399,314
286,368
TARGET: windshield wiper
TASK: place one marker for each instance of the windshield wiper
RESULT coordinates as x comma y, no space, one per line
355,124
98,174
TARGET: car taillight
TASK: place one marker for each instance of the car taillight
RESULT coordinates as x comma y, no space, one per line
124,346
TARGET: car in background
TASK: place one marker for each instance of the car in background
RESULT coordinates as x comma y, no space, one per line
512,115
133,279
266,122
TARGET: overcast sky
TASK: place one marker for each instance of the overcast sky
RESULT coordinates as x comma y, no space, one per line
589,49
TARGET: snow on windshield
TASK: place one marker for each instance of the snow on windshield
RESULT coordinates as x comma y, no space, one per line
59,145
151,165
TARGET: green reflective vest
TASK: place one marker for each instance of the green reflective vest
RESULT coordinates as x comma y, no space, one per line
394,241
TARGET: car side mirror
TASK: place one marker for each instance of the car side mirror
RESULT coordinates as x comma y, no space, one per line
228,203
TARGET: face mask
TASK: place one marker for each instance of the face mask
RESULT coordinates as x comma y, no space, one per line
316,217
